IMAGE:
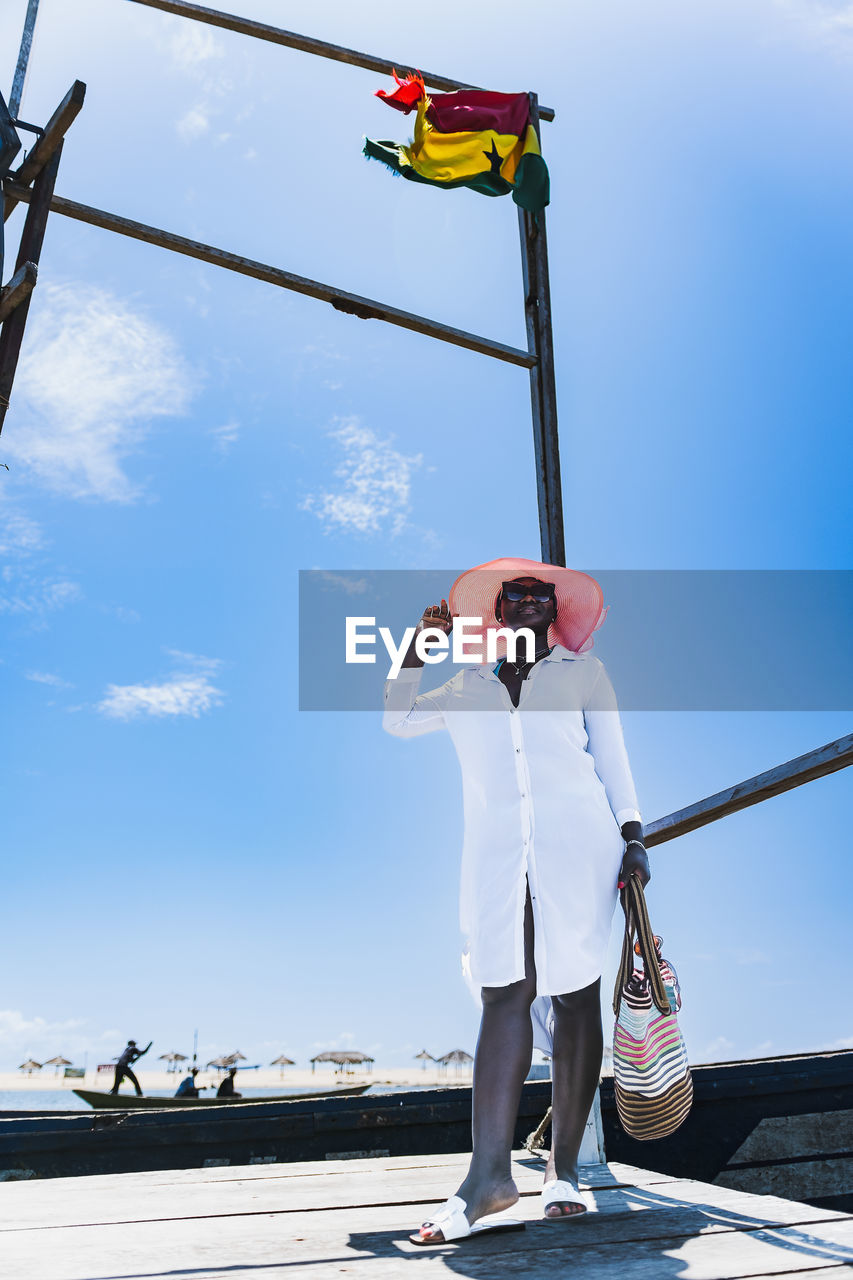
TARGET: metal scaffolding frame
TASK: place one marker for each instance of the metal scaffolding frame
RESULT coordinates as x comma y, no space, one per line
33,183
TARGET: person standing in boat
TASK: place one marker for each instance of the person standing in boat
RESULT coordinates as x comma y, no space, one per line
552,830
128,1056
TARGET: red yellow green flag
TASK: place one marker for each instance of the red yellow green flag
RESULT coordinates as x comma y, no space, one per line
472,138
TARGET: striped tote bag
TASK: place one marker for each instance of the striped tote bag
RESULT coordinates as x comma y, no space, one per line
653,1085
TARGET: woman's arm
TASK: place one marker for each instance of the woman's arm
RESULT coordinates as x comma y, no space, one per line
407,713
606,744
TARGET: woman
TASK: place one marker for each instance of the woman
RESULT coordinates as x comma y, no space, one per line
551,829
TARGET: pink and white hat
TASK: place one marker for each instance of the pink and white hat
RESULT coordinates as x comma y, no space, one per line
580,600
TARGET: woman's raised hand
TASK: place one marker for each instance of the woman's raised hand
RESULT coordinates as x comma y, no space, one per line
437,615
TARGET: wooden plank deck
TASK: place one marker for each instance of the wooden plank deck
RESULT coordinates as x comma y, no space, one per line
352,1218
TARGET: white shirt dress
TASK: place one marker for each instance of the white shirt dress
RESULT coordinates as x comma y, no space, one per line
546,788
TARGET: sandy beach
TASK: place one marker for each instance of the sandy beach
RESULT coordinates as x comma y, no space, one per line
268,1078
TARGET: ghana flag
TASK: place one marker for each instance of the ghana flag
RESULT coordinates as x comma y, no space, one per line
471,138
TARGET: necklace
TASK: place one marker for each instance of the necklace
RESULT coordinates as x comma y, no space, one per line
518,666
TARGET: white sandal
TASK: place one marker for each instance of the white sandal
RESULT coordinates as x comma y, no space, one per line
562,1191
450,1220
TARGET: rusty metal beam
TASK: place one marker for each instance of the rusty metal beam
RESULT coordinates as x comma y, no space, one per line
351,303
29,252
54,131
306,44
19,287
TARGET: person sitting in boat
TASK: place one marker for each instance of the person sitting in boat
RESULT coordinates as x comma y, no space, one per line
129,1056
188,1087
226,1089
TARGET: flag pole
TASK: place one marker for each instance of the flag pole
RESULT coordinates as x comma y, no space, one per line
23,59
543,386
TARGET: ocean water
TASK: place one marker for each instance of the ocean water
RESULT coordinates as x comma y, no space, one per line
65,1100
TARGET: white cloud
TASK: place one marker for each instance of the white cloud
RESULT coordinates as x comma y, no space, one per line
193,123
343,1040
27,586
193,44
56,594
45,677
337,582
375,484
225,436
30,594
718,1050
830,22
181,693
182,696
198,56
196,660
20,1035
122,613
18,533
93,376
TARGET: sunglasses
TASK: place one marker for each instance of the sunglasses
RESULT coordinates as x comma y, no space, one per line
542,592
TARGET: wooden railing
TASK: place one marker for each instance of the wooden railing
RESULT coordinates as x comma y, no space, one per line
783,777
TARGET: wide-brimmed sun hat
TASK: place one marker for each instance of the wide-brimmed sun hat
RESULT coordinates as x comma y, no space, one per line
580,601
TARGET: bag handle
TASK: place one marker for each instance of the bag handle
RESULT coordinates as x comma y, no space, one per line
637,921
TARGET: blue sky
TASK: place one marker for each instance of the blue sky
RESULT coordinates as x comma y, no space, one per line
184,848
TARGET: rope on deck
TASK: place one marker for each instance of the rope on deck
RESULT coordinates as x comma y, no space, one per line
533,1142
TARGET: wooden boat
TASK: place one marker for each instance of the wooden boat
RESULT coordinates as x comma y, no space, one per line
130,1102
779,1125
774,1126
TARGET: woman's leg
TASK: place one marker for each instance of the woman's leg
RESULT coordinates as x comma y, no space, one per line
501,1063
575,1068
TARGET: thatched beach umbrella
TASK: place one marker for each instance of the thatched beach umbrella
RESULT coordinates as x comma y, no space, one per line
222,1063
342,1058
423,1057
456,1058
237,1056
57,1062
30,1066
281,1062
173,1059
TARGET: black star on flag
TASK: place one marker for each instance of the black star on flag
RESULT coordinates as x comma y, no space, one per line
494,159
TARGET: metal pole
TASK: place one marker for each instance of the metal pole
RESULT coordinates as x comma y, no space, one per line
23,58
10,145
29,252
543,386
306,44
352,304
